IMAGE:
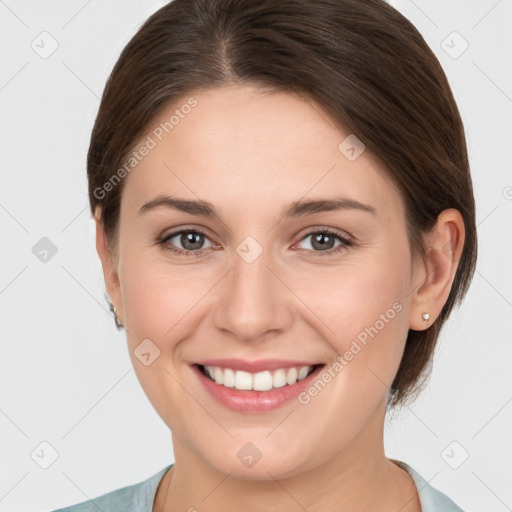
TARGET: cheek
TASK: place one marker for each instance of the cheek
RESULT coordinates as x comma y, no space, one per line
364,306
157,294
160,305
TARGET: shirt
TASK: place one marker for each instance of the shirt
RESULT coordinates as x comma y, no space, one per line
140,497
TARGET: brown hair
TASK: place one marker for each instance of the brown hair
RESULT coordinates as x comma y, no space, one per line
363,62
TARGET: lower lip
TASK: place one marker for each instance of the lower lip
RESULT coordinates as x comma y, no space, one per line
251,401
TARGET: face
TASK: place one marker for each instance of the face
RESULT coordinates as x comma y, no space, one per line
257,282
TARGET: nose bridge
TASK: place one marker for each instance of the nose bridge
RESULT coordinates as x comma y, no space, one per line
253,299
250,268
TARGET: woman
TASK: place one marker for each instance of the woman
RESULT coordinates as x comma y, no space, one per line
285,220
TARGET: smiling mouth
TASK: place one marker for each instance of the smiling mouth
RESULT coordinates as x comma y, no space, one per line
260,381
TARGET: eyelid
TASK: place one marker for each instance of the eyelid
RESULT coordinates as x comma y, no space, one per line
172,232
326,229
345,239
163,239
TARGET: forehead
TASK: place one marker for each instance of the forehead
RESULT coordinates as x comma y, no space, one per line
254,147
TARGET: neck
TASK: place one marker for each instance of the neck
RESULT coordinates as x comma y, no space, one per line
356,477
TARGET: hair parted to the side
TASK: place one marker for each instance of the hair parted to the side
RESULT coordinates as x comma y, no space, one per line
363,62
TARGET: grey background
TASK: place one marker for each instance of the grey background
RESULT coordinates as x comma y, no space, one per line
65,374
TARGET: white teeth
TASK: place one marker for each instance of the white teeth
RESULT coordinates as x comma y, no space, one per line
243,380
291,376
261,381
303,372
218,374
279,378
227,377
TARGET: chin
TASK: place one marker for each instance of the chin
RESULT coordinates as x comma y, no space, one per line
249,463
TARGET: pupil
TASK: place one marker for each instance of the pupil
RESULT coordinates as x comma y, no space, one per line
324,245
187,240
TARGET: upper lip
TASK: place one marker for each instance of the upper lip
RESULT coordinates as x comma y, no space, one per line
254,366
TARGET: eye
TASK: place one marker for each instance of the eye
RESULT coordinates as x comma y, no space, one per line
192,241
322,241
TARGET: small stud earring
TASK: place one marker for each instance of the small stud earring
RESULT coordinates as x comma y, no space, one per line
426,317
113,309
119,324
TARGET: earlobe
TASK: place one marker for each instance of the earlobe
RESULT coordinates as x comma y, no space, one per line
108,264
443,247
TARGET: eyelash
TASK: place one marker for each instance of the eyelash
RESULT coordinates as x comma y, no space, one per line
163,241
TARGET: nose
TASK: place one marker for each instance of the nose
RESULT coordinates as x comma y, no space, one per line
254,301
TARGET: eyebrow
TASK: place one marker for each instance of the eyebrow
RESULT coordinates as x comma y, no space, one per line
295,209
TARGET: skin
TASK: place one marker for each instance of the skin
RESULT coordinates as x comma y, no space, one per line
251,153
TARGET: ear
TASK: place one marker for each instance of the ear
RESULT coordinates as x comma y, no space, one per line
109,262
432,280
